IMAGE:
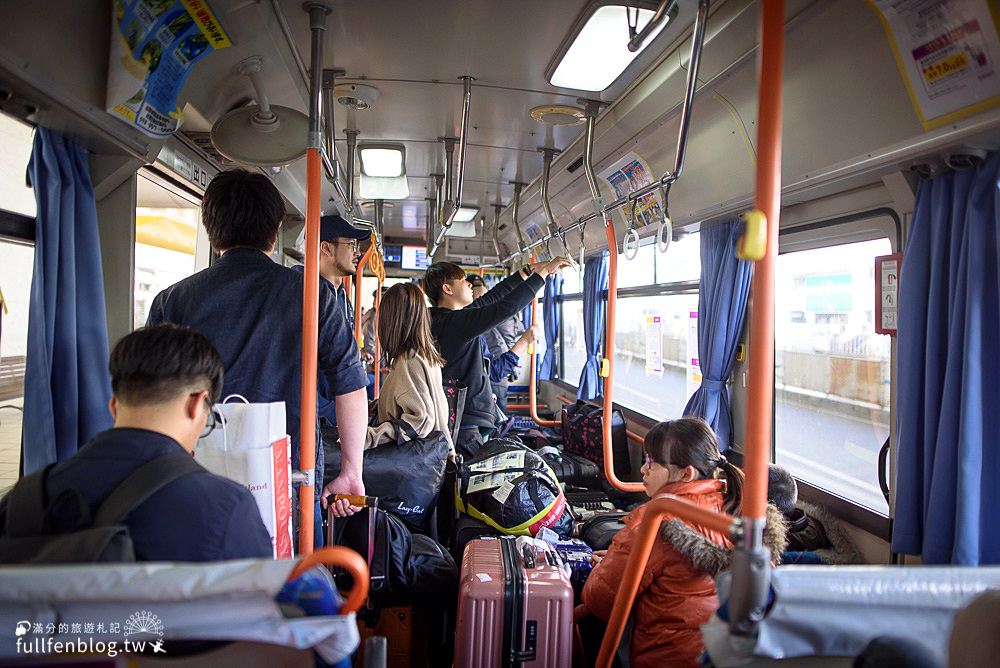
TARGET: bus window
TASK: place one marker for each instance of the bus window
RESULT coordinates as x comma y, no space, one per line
651,285
166,225
831,370
15,283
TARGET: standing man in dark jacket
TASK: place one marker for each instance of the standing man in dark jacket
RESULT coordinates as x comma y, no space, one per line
250,308
164,380
458,323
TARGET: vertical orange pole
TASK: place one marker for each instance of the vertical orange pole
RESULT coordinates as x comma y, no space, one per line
768,201
533,377
310,350
609,362
378,346
348,282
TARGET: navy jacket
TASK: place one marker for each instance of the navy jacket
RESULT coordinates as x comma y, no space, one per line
458,337
250,308
198,517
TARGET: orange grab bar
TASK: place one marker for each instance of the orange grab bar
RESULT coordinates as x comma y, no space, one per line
533,377
310,349
378,348
767,200
357,296
609,362
656,511
340,557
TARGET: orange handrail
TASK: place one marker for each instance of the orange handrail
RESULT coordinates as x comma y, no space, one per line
647,533
767,199
310,350
608,367
378,346
340,557
357,295
533,377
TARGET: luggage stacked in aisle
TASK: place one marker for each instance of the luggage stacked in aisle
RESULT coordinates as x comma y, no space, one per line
515,606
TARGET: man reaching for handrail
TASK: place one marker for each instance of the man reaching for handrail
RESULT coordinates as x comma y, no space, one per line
458,323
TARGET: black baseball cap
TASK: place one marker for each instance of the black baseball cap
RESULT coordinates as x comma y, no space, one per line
336,227
475,280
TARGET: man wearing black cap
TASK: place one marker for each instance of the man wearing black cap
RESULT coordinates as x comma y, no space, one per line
339,250
250,309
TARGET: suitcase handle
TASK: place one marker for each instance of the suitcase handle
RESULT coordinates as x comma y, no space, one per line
528,556
355,500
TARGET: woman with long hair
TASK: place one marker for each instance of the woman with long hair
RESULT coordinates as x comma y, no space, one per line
412,391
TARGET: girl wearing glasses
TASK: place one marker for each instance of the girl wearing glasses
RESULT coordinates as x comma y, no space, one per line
676,594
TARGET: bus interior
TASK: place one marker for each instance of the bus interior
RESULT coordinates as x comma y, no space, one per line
636,139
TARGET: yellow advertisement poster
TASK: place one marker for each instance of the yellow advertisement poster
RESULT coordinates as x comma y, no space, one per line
948,52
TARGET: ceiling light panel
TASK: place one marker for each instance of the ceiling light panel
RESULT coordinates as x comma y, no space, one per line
599,54
382,161
465,214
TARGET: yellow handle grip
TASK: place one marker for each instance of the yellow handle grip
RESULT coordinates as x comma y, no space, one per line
531,348
753,244
605,368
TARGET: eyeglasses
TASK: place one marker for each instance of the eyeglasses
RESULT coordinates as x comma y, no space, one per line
212,422
647,460
354,244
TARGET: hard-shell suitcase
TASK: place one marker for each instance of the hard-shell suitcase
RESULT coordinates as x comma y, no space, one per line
515,606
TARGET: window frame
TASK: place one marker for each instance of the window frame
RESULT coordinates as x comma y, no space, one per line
867,225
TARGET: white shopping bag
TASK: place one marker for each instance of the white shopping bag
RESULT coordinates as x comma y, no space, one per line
251,447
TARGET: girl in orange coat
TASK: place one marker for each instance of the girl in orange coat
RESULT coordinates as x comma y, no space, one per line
676,594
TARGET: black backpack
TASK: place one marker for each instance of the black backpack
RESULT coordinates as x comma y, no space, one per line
106,539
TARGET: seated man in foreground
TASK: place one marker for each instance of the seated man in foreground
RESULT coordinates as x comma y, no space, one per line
164,380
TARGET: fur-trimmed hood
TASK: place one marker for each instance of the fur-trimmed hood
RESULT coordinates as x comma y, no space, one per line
712,558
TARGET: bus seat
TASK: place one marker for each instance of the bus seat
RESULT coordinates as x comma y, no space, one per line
831,611
227,601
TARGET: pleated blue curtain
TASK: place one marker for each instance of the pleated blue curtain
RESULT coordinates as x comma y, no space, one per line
722,306
547,369
595,283
66,382
948,353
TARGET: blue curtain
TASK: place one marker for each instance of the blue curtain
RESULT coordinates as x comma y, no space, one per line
722,308
66,383
547,370
595,283
948,422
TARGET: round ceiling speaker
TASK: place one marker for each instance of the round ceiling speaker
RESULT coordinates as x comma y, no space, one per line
356,96
251,136
558,114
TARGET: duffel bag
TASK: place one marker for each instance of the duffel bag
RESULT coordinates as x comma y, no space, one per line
582,431
403,567
599,530
572,469
406,475
513,490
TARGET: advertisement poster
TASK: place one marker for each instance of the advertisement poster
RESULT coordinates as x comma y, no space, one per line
694,368
154,45
948,52
532,233
654,346
629,174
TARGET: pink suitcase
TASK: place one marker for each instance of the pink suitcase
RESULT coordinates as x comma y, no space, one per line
515,607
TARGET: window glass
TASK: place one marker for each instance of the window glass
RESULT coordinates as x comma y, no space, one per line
831,370
15,138
166,226
659,394
681,262
574,352
15,282
639,270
